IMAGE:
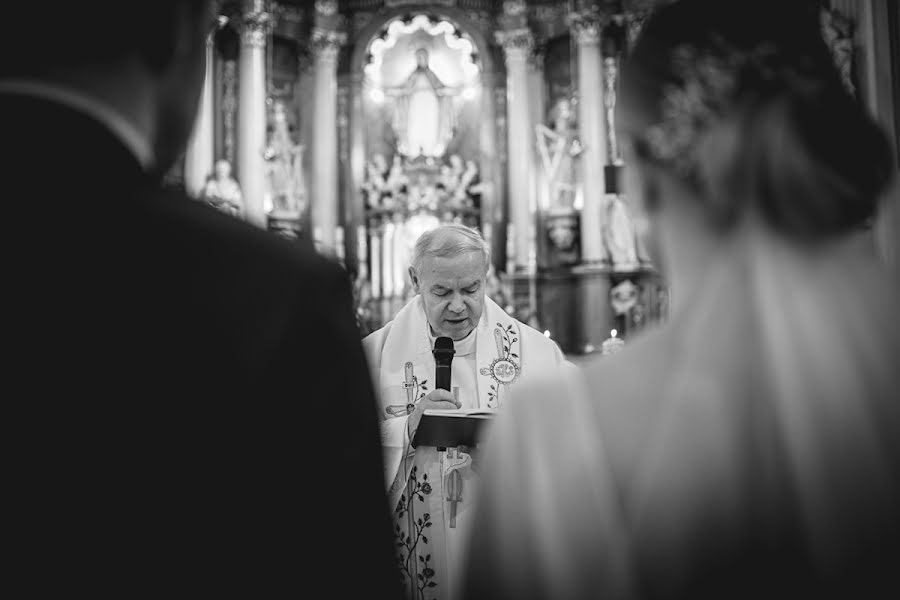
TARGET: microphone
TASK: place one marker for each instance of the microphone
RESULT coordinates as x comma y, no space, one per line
443,356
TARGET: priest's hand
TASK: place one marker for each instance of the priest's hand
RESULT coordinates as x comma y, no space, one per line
434,400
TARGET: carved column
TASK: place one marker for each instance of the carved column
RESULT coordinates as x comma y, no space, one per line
252,109
326,45
536,97
517,46
198,158
229,109
610,83
592,125
491,216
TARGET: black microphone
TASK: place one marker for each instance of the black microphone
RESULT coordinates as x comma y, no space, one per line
443,356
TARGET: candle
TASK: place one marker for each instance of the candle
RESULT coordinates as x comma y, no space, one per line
612,344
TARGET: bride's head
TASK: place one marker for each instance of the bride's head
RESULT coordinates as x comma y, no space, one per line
735,111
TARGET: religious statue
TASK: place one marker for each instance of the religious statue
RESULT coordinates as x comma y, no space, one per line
456,167
424,118
619,236
396,179
285,166
468,183
222,190
559,148
375,184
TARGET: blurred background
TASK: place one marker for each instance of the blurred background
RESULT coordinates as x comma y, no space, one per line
355,125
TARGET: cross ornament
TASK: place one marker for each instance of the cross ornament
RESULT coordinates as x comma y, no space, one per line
410,383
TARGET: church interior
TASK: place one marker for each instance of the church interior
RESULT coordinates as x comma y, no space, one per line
356,125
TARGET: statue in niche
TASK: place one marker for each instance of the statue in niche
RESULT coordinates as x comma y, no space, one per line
284,171
222,190
559,149
424,118
619,235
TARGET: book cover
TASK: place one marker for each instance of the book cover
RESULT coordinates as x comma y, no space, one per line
451,428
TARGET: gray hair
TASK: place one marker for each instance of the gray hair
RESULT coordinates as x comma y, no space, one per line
448,241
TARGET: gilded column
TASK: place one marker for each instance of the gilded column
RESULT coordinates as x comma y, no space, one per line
517,46
592,125
198,158
326,45
252,109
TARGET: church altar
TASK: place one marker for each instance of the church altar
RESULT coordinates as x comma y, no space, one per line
356,126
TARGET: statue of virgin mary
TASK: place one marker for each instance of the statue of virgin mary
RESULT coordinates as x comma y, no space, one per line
424,120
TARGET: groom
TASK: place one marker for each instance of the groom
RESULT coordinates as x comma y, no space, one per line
493,351
162,359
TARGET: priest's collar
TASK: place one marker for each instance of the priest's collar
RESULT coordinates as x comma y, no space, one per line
463,347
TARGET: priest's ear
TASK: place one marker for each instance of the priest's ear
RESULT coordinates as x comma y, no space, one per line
414,279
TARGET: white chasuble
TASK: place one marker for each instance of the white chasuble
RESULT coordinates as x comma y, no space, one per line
430,536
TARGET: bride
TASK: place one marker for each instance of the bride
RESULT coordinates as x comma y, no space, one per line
749,447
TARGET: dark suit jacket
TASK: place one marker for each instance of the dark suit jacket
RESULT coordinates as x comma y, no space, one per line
189,411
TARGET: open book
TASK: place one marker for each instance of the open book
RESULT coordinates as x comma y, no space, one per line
484,413
451,428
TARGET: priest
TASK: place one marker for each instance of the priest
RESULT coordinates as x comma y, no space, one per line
431,491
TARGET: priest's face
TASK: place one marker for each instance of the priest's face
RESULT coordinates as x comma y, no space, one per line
452,290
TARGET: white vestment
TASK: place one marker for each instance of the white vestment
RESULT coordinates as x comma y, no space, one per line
499,350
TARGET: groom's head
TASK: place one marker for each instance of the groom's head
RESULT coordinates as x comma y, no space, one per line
146,62
448,270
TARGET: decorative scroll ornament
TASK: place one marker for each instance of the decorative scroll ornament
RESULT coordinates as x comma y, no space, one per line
288,14
516,41
325,44
634,22
587,27
514,8
326,7
256,26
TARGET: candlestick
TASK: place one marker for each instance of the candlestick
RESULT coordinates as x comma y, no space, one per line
612,344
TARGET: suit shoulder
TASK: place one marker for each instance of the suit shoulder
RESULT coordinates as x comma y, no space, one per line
189,221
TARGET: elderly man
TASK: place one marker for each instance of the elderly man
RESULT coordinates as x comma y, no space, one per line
492,351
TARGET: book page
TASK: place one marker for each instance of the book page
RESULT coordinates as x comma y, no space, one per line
462,412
